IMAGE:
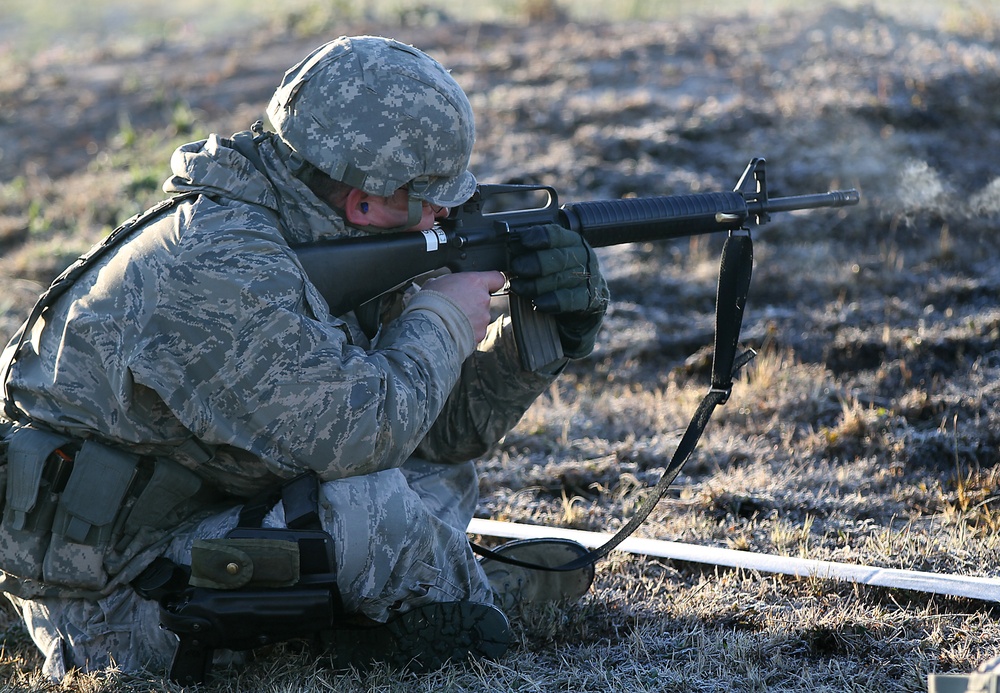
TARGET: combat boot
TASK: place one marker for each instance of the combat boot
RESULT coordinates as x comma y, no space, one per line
422,639
985,679
515,586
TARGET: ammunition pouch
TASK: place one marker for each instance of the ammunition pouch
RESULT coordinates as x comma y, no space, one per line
255,587
67,503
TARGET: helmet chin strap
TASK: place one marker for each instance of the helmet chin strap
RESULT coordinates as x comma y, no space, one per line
414,213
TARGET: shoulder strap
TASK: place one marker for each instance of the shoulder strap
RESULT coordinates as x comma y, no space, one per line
68,277
734,285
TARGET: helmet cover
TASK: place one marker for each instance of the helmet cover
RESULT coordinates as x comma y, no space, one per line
378,115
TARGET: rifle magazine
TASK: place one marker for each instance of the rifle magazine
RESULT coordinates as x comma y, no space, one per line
536,334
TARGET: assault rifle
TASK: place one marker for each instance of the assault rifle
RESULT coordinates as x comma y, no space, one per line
351,272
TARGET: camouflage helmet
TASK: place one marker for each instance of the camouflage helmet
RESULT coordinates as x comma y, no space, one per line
379,115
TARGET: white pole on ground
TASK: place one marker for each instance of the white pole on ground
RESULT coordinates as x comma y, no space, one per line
936,583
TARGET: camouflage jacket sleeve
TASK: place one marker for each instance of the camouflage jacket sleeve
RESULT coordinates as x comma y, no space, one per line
489,399
235,351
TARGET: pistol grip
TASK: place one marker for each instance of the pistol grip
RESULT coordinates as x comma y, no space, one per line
535,333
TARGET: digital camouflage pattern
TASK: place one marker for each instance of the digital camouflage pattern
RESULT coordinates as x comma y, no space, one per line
201,339
378,115
422,506
204,325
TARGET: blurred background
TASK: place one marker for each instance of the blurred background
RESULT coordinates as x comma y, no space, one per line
32,26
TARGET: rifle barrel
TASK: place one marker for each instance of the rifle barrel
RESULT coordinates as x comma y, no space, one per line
834,198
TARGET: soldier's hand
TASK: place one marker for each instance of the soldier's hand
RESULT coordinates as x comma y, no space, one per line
558,271
471,291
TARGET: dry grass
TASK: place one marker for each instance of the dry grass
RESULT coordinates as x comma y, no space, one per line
865,431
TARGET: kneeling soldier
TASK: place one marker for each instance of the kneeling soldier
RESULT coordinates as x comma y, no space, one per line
193,440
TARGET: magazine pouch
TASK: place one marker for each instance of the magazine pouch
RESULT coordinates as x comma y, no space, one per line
84,522
36,471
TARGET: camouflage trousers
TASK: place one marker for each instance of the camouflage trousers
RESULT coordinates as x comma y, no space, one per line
399,539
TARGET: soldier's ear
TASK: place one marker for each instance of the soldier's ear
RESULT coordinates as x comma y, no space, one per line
356,207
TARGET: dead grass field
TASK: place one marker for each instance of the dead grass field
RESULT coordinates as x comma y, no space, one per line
865,432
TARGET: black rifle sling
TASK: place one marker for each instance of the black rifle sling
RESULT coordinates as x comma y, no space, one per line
68,277
734,285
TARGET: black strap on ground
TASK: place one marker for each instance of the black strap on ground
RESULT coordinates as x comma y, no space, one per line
734,285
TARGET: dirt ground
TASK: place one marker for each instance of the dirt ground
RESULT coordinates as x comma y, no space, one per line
868,429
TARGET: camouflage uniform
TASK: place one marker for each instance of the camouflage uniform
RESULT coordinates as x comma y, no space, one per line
201,339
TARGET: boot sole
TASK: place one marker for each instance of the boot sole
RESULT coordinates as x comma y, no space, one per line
425,638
